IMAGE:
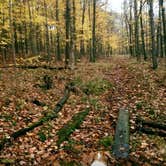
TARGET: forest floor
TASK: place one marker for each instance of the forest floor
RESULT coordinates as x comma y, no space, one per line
104,87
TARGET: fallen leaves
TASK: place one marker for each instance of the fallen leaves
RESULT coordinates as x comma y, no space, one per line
134,87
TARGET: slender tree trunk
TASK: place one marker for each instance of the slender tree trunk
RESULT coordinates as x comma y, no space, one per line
74,31
136,30
152,30
82,47
58,51
164,23
73,35
130,31
161,38
90,27
94,33
142,32
160,45
30,40
15,38
67,19
26,39
12,31
47,33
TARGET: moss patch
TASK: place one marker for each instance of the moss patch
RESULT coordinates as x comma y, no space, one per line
64,133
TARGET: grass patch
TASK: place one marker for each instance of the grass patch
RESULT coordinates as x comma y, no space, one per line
96,86
64,132
139,105
45,132
6,117
42,136
107,142
78,81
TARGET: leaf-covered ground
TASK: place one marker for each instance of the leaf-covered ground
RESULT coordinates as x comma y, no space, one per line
104,87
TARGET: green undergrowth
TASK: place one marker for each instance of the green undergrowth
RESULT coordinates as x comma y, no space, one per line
71,147
45,132
107,141
76,121
95,86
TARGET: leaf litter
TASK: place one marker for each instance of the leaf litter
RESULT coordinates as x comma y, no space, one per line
134,86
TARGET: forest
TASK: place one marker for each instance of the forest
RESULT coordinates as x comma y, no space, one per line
82,82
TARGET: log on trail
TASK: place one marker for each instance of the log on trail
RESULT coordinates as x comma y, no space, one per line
34,67
121,141
49,116
152,124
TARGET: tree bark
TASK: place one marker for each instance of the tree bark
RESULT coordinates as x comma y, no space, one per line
93,57
137,51
12,31
131,31
47,33
142,32
82,47
152,31
67,19
161,2
58,51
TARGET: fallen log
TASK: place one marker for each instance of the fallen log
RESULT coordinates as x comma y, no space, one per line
151,131
49,116
44,67
121,141
38,103
34,67
150,123
69,128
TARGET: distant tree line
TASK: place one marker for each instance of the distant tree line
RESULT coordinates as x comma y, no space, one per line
146,29
56,29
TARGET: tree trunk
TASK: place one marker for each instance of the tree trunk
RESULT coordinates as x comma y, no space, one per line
47,33
12,31
131,31
74,37
58,51
67,19
142,32
152,30
82,47
164,23
137,51
93,57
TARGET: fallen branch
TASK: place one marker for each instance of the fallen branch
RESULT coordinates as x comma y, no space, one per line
38,103
34,67
49,116
151,124
151,131
44,67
